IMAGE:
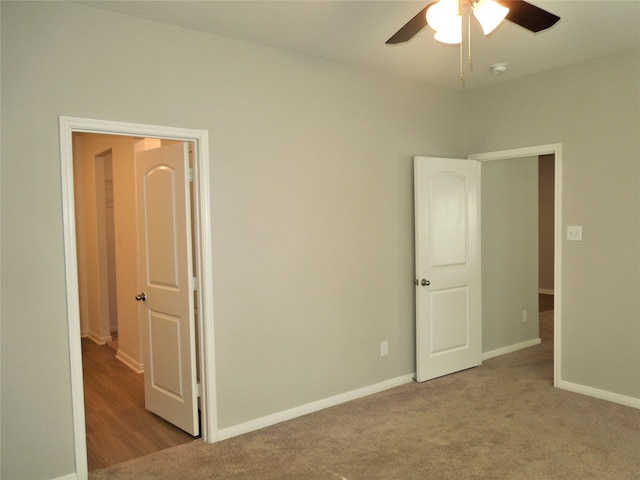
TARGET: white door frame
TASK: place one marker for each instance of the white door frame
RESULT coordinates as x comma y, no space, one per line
203,255
555,149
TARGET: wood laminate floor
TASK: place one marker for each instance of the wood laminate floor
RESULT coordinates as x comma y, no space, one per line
119,428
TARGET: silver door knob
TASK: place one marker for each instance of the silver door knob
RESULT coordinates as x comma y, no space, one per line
141,298
425,282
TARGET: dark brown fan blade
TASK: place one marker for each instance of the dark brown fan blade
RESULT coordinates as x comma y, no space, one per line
529,16
412,27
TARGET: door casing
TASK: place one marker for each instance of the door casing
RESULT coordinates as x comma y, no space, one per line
203,259
556,150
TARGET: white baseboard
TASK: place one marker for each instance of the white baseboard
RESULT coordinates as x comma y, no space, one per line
292,413
600,394
97,339
130,362
511,348
546,291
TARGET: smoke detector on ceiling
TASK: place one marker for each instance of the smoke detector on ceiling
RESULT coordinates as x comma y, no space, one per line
499,68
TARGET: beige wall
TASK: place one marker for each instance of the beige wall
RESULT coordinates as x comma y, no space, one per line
509,252
312,209
593,109
87,147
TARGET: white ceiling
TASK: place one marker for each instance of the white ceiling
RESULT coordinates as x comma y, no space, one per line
355,31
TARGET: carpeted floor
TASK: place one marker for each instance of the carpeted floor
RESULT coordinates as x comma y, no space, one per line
502,420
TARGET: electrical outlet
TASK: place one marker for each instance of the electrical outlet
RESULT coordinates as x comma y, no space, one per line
384,348
574,233
524,315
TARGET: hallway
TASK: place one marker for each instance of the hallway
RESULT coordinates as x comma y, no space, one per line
119,428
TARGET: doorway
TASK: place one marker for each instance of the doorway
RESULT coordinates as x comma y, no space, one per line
103,164
120,425
537,151
546,291
202,259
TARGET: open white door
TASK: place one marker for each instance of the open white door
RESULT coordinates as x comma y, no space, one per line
448,301
165,267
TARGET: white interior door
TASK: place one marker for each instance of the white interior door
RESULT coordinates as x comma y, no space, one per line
448,301
167,326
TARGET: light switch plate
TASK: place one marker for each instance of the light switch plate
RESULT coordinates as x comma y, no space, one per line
574,233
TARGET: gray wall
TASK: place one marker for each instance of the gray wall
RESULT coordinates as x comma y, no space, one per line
509,252
312,222
593,109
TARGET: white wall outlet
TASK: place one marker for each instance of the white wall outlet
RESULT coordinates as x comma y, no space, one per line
524,315
574,233
384,348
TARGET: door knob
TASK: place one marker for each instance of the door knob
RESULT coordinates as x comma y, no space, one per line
142,297
424,282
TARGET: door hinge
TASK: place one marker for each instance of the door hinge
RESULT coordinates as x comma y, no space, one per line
194,283
198,390
190,174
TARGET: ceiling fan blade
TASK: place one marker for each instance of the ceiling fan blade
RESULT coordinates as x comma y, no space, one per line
529,16
412,27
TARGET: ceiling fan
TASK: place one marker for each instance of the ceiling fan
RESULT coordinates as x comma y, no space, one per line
446,16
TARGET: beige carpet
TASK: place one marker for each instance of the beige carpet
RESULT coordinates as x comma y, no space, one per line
502,420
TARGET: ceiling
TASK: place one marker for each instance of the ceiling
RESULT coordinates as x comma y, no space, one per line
355,31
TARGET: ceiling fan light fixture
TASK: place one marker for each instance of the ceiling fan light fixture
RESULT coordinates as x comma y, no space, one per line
490,14
444,17
451,35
